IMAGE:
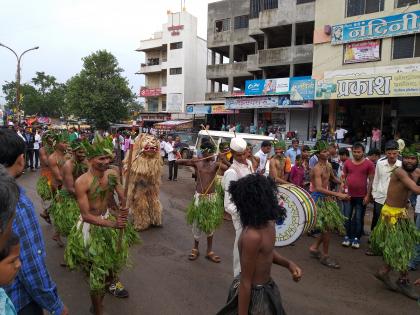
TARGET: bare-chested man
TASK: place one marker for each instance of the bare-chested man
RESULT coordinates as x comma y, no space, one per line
45,180
329,217
254,291
395,236
97,231
64,210
280,165
56,162
205,213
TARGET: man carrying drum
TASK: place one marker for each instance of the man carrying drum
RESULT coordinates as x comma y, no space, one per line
329,217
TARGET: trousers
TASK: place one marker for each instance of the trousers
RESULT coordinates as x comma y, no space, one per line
236,259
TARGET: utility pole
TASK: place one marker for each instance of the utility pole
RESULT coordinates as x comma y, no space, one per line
18,58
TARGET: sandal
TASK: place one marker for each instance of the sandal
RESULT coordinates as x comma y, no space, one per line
45,216
213,257
194,254
315,254
329,262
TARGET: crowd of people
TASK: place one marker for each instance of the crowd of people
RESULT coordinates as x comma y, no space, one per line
79,182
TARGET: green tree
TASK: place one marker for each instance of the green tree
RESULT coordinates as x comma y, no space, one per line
52,95
30,98
99,93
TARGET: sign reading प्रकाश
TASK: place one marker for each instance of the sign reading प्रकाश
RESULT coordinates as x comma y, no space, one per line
389,26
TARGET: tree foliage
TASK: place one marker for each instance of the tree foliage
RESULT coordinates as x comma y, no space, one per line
99,93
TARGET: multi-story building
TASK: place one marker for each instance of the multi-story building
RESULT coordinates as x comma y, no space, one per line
367,56
260,39
174,68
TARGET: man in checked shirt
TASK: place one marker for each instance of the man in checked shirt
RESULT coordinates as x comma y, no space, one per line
32,290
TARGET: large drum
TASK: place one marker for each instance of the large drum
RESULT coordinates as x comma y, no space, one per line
300,214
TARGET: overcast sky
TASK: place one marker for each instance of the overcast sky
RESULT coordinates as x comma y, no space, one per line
67,30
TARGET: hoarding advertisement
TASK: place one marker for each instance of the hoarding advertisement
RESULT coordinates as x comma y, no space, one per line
254,87
302,88
390,26
362,51
267,87
385,85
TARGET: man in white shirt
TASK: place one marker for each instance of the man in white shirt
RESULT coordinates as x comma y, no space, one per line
239,169
339,134
173,167
37,144
262,155
383,171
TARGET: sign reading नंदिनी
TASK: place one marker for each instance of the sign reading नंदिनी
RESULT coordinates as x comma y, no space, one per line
390,26
380,85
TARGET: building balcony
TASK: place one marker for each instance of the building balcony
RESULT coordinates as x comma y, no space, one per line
252,63
211,96
285,55
156,42
144,68
288,14
238,69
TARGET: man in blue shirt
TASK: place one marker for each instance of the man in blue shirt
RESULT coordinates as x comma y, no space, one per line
293,151
33,289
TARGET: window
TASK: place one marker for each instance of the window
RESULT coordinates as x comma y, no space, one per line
175,71
241,22
164,105
222,25
153,104
304,1
360,7
406,47
254,9
404,3
177,45
152,61
270,4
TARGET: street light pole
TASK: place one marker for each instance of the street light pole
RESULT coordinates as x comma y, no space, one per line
18,58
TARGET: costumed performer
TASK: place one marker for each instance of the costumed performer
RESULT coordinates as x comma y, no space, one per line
144,184
395,236
94,244
254,291
280,165
205,213
328,215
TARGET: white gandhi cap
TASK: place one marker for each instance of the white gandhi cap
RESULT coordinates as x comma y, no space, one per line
238,145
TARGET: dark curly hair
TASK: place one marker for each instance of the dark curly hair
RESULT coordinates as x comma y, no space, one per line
255,197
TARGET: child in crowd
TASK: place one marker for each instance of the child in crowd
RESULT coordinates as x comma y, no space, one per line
9,267
297,174
374,155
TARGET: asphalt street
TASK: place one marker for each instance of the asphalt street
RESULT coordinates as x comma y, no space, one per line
162,281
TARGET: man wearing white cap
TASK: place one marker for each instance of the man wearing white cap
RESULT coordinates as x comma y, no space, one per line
240,168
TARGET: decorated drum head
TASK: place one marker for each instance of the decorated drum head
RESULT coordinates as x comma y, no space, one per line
292,227
308,205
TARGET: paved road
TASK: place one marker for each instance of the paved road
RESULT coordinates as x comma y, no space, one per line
162,281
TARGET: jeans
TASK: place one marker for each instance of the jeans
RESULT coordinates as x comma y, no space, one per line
340,140
31,309
29,156
416,259
36,153
353,211
173,169
375,145
377,208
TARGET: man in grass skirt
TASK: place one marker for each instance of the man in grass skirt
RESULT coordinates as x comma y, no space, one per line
205,213
96,243
395,236
64,210
329,217
43,185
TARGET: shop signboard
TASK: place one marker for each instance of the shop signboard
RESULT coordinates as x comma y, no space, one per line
146,92
198,109
252,102
220,109
380,85
389,26
302,88
267,87
362,51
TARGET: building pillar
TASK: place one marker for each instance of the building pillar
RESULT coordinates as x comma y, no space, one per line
212,85
332,113
231,54
256,118
293,43
265,41
230,84
213,58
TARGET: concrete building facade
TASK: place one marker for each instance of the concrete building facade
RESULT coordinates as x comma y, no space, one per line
174,68
379,47
261,39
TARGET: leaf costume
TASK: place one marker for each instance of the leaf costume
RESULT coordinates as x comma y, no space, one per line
395,237
43,185
328,215
94,250
64,212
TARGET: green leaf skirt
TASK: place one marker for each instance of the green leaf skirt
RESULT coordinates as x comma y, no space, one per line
328,215
64,212
43,188
99,257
